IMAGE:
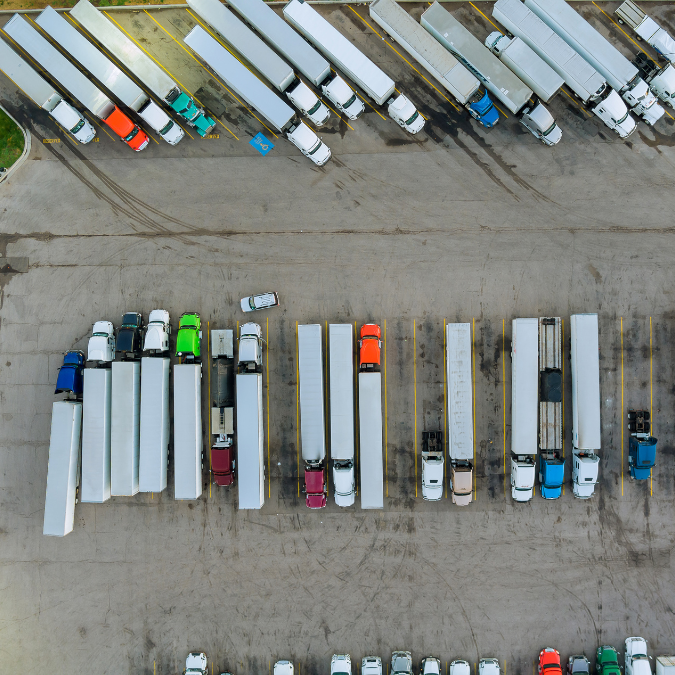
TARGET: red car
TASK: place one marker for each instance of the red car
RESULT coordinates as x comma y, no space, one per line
549,662
370,345
222,464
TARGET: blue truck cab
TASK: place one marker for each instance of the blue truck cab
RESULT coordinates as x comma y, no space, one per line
551,474
482,109
71,374
641,445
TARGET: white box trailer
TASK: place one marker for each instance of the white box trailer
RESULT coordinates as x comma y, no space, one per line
250,440
338,49
650,31
312,415
44,95
284,39
125,427
460,411
187,430
64,468
96,408
92,59
370,440
154,432
665,665
477,58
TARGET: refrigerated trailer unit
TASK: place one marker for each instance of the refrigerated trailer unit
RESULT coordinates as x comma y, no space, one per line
96,408
585,357
141,65
460,412
125,427
370,440
44,95
524,399
63,469
154,429
435,59
187,430
250,438
341,374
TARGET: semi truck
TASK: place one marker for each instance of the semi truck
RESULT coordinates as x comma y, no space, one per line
585,82
96,407
222,406
312,416
621,74
269,64
63,470
585,358
647,29
141,65
524,376
353,62
435,59
341,374
257,95
660,80
187,430
433,465
636,658
551,463
108,74
73,81
44,95
641,445
125,428
154,426
460,411
300,54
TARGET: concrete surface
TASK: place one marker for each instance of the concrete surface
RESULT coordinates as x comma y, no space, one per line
459,225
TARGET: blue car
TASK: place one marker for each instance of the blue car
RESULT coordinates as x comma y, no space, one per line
70,378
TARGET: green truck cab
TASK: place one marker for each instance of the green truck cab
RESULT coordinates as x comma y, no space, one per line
607,661
189,336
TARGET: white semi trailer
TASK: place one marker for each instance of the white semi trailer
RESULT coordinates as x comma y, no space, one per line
250,440
524,406
125,427
585,355
341,373
281,116
621,74
586,82
370,440
353,62
96,406
64,468
187,430
44,95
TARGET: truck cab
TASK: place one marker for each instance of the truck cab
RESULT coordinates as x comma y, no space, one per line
343,482
401,663
341,664
195,664
370,345
157,332
540,123
522,477
222,407
606,661
343,97
461,483
613,112
189,336
74,121
549,662
482,109
430,665
129,336
129,132
101,346
305,100
488,667
181,103
460,667
309,144
404,113
250,347
371,665
432,465
551,473
71,374
578,664
641,445
635,658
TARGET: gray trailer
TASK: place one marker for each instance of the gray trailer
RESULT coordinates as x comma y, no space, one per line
496,77
370,440
125,427
154,431
44,95
64,468
250,439
96,401
187,430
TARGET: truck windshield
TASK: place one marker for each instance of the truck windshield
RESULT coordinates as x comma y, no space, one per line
166,128
77,127
350,101
131,135
314,108
315,148
623,119
550,129
410,120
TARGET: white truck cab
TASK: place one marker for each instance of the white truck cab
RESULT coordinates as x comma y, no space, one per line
195,664
343,97
101,345
663,85
613,112
460,667
404,113
341,664
309,144
488,667
371,665
250,346
305,100
161,123
344,483
72,120
283,668
643,102
522,478
584,474
540,123
157,332
432,477
636,659
430,666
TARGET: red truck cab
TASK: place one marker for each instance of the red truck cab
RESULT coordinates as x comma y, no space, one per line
549,662
370,346
222,465
315,486
129,132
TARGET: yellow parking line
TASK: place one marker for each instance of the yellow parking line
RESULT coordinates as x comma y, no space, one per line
208,384
406,60
485,17
386,419
91,117
473,363
356,402
297,404
562,377
325,404
267,368
621,415
372,106
415,401
503,399
573,101
651,402
500,110
445,412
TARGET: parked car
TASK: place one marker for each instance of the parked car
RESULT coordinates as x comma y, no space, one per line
253,303
196,664
157,332
401,662
70,377
101,347
371,665
341,664
578,664
430,665
607,661
549,662
189,336
370,346
129,336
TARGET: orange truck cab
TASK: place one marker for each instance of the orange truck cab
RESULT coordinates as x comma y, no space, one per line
129,132
370,345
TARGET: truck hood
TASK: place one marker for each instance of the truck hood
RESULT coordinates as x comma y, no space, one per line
519,495
98,349
343,480
155,337
248,349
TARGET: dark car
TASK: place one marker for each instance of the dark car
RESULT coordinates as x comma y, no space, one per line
130,335
71,374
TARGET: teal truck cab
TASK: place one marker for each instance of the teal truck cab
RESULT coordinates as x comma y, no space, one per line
641,445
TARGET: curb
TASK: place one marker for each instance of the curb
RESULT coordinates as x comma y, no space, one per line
26,146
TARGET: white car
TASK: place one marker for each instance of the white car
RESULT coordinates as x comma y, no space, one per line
157,332
371,665
101,345
341,664
283,668
261,301
195,664
430,666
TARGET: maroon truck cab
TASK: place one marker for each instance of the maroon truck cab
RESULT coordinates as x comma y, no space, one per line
222,463
315,487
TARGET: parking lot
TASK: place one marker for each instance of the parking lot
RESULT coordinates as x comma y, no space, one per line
460,224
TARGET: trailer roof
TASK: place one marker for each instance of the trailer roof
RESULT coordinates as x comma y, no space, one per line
524,386
460,403
341,357
310,367
187,430
24,76
585,354
250,469
370,431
